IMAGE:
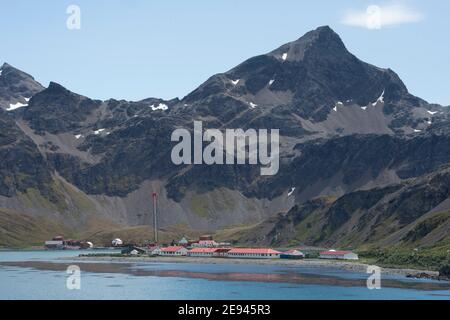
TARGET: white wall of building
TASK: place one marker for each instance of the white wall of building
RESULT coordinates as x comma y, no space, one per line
351,256
347,256
200,254
253,255
181,252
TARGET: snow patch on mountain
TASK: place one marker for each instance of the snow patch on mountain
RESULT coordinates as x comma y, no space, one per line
252,105
161,106
291,192
379,100
16,106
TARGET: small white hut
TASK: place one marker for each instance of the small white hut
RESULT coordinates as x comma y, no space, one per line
117,242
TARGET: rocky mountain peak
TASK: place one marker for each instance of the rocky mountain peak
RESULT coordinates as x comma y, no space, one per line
7,67
320,41
323,35
11,73
57,109
16,87
56,88
308,76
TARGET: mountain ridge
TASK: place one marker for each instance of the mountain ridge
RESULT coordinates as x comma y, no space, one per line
346,126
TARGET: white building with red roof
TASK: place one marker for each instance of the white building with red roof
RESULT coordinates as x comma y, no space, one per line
339,255
173,251
249,253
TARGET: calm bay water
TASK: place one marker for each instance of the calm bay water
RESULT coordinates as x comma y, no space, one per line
191,281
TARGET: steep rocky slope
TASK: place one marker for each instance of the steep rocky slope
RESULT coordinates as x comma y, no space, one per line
349,131
414,213
22,166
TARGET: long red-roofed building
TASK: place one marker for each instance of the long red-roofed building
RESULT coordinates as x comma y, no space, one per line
202,252
173,251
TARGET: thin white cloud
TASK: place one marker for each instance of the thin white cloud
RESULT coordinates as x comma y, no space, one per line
377,17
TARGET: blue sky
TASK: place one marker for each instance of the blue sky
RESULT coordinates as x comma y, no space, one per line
134,49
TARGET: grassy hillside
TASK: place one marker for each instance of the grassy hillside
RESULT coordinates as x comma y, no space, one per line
429,258
140,234
18,230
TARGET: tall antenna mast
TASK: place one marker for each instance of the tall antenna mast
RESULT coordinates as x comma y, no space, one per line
155,219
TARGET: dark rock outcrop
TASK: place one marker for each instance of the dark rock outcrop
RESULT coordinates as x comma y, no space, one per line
22,167
16,86
57,110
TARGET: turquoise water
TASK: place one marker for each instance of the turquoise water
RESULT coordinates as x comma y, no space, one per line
30,283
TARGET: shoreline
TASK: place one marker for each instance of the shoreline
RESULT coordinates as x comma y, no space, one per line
346,265
312,263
